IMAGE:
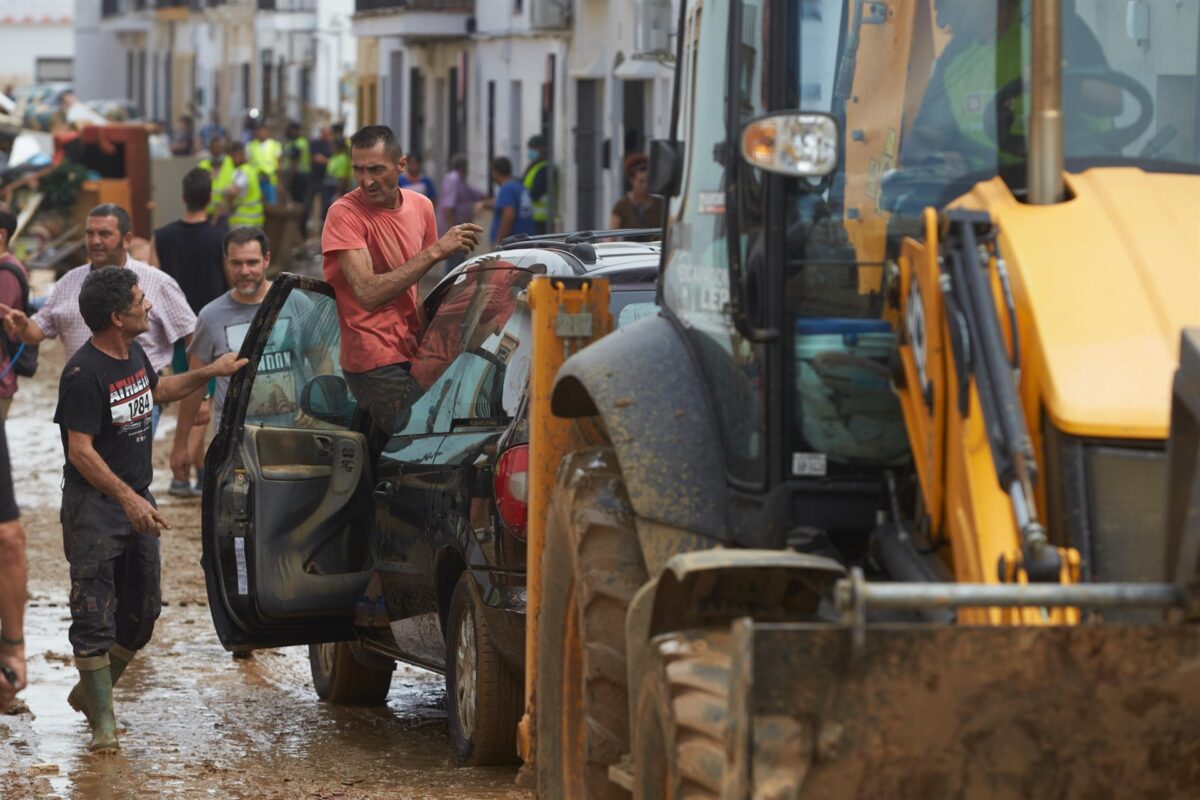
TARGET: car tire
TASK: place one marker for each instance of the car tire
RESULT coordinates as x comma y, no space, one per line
341,678
484,700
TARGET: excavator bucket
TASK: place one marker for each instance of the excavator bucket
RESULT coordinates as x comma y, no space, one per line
939,710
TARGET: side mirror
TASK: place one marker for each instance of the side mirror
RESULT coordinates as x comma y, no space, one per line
803,145
664,173
327,398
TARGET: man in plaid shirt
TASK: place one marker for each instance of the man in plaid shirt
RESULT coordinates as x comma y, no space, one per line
109,232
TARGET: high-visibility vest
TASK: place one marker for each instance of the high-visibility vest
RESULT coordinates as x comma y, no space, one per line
222,180
249,209
541,206
970,82
302,163
264,157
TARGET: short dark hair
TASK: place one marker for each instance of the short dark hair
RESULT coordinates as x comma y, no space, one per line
106,291
236,146
372,135
197,189
501,165
244,235
458,161
8,222
124,224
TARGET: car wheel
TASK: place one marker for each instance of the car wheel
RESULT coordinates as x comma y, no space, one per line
339,677
484,699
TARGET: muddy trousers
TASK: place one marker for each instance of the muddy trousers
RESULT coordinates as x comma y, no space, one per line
115,573
387,395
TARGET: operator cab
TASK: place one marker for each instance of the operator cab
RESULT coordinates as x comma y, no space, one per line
852,119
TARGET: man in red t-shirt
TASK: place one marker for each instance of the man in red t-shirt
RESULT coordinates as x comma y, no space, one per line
378,240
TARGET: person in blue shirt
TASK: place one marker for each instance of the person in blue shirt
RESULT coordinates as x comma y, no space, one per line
412,178
512,206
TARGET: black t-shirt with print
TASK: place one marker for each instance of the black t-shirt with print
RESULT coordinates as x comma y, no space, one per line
111,399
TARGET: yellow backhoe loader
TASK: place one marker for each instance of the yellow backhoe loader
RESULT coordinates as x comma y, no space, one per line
894,498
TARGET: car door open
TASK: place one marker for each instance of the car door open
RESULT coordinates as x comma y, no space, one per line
287,507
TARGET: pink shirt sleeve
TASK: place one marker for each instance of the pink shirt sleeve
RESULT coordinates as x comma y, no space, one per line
431,227
343,230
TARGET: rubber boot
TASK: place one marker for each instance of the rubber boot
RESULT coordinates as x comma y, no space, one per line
118,660
96,680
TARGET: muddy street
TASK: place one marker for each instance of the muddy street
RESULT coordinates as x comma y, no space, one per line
196,722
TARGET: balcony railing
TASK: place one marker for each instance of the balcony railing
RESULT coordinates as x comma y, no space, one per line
461,6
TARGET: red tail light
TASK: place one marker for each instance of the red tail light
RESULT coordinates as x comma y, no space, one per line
511,486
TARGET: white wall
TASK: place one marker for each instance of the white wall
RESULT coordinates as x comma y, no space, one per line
603,33
29,30
95,47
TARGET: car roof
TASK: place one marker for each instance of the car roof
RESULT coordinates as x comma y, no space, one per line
613,259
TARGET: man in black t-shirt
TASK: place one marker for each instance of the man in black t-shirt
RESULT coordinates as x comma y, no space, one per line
110,521
189,250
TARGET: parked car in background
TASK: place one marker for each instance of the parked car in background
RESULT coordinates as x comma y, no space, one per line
301,505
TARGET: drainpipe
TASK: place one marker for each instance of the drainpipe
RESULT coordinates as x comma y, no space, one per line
1045,165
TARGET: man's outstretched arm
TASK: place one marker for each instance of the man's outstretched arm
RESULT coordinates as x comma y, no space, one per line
18,324
373,290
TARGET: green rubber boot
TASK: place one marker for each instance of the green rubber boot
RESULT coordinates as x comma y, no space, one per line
118,660
95,678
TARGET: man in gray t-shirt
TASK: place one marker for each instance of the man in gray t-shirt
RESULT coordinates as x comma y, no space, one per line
222,326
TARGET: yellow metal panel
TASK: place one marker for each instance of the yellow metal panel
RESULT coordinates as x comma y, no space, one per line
923,357
1104,283
550,438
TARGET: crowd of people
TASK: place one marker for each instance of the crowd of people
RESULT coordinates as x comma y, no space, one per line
138,336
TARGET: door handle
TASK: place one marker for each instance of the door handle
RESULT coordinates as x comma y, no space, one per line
384,492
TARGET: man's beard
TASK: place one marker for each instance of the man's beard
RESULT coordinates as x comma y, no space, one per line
249,291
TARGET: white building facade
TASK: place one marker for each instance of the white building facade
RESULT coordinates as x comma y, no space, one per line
480,77
289,59
37,42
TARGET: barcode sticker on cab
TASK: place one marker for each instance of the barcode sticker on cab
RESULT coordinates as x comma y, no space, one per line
809,465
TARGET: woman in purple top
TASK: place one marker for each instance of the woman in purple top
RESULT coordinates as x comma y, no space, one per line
457,202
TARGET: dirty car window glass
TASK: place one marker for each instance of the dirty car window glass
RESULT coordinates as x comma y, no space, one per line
473,357
303,343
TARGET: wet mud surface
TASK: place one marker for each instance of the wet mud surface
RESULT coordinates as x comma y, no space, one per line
197,723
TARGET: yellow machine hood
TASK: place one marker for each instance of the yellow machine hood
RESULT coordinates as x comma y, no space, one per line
1104,282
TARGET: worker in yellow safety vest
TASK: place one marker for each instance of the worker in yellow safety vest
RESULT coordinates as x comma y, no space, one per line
537,178
264,153
244,198
222,175
972,117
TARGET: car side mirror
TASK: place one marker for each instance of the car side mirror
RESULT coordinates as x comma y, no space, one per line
327,398
665,170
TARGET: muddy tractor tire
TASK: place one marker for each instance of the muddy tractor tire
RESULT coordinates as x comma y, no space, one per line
681,717
339,677
591,568
484,700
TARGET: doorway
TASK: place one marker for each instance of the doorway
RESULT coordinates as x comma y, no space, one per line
587,153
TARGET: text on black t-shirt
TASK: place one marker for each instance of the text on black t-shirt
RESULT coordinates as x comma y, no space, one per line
111,399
